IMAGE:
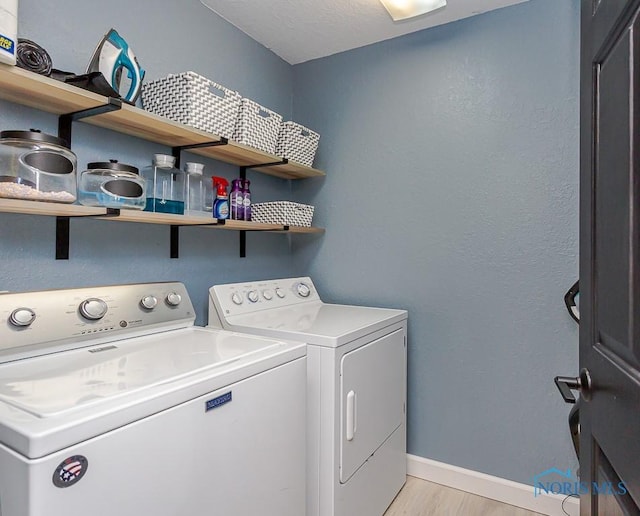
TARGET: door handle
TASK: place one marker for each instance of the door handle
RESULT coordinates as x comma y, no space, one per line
580,383
351,415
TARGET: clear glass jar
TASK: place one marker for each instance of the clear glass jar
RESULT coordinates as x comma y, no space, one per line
209,196
37,167
165,186
194,188
112,185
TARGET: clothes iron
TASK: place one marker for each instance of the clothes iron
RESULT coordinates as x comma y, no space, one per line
111,56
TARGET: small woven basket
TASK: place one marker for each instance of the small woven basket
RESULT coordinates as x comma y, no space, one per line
286,213
297,143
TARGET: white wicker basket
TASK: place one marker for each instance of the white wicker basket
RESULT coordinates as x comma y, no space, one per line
282,212
297,143
257,126
193,100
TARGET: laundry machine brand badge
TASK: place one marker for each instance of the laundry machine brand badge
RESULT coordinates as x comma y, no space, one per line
70,471
218,402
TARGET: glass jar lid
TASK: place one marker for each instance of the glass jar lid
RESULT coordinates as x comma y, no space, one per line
112,165
191,167
33,135
164,160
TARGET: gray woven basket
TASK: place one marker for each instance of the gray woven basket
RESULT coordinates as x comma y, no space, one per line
257,126
282,212
193,100
297,143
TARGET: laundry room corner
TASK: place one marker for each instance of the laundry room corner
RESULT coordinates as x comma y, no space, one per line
453,194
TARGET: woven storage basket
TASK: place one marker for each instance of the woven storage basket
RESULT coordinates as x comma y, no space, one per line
257,126
282,212
193,100
297,143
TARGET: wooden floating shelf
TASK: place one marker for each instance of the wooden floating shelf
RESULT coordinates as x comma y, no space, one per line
142,217
36,91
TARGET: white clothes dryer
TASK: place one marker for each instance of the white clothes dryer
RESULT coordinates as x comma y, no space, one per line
113,403
356,387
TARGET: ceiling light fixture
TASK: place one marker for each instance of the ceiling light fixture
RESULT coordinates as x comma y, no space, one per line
405,9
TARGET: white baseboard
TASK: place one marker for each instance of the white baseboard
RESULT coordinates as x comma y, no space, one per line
495,488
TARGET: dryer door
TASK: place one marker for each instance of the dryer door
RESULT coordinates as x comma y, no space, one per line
372,393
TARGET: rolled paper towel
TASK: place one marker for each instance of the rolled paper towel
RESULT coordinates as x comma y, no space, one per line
33,57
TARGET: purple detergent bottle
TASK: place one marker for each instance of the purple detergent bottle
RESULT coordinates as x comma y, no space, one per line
236,200
247,199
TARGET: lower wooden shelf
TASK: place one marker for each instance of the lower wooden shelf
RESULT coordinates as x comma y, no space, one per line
142,217
68,211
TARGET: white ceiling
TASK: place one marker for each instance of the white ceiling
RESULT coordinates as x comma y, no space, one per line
300,30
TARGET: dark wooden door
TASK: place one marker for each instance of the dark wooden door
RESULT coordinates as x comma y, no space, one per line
610,257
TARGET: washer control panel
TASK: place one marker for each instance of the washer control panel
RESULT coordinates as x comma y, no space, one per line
242,298
78,315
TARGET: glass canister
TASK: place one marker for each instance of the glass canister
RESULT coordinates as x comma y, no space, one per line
194,189
209,196
165,186
112,185
36,166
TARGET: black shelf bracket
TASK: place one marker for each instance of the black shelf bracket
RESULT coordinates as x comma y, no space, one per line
243,175
177,151
174,246
63,226
243,169
65,122
243,238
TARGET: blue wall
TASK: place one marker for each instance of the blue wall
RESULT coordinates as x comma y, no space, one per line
167,37
452,191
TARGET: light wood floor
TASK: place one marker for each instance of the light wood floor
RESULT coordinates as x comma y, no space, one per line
421,498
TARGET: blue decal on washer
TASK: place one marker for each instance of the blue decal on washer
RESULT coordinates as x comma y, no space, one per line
70,471
218,402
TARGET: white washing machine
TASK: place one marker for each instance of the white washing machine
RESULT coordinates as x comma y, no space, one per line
356,384
113,403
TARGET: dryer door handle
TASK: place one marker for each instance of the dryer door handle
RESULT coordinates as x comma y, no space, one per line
351,415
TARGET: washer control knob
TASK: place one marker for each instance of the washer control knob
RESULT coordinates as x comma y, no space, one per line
280,293
253,296
303,290
149,302
174,299
22,317
93,308
236,298
268,295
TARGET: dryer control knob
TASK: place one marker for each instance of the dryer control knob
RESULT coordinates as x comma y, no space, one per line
93,308
149,302
268,295
22,317
236,298
174,299
253,296
303,290
280,293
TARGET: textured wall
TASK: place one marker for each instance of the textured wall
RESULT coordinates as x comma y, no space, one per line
167,37
451,191
452,159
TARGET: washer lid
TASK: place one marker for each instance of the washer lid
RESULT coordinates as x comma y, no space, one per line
54,385
317,322
54,401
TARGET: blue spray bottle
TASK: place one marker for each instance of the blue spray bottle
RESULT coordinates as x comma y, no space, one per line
221,204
